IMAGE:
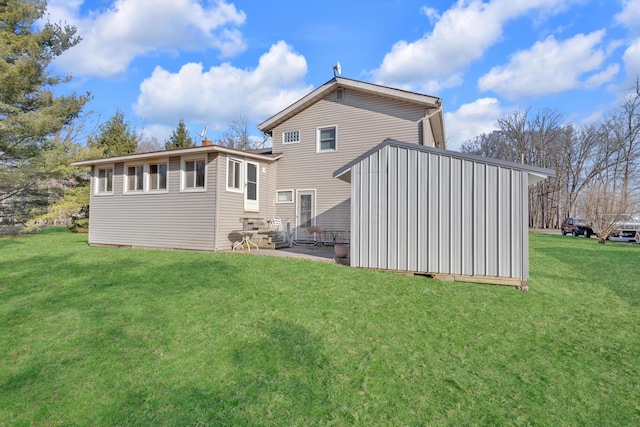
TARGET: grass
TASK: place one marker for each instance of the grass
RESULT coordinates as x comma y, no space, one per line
102,336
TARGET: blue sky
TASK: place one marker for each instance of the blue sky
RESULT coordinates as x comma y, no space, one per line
209,62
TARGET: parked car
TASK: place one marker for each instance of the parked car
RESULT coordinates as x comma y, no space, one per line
625,229
576,227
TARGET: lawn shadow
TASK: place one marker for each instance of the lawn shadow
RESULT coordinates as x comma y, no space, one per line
278,376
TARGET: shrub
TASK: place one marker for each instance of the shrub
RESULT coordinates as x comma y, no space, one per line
79,226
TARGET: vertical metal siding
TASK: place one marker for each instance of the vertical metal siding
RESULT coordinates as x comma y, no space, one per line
365,197
373,210
455,201
418,211
355,215
383,207
479,225
401,211
433,217
392,209
492,220
466,218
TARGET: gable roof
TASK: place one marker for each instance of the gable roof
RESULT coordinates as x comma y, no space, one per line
535,173
432,104
179,152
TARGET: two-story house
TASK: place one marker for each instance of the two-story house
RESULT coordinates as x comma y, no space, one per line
195,198
333,125
352,156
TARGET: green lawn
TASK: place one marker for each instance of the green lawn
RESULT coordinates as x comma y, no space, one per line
102,336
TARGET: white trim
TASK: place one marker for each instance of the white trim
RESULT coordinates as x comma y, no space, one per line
286,202
96,177
319,129
240,188
251,205
178,152
183,178
125,178
291,142
297,207
148,177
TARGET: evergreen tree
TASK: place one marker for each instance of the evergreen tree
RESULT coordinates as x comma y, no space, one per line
180,138
30,114
115,137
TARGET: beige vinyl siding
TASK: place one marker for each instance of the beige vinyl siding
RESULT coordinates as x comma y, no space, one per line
362,121
173,219
231,204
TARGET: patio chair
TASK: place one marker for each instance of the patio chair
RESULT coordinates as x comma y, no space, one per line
314,234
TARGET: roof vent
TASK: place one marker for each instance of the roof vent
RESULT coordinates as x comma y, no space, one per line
340,94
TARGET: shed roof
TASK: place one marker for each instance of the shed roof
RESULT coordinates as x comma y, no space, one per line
179,152
431,103
535,173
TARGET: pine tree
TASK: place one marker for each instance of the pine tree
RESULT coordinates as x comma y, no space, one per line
115,137
180,138
30,113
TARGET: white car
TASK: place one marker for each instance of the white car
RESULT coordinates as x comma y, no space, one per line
626,228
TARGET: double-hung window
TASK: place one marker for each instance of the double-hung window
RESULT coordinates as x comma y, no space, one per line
327,139
104,182
193,174
157,176
135,178
234,175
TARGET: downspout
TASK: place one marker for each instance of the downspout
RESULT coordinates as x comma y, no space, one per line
426,126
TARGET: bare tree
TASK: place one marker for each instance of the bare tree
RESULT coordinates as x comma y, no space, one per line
604,205
237,135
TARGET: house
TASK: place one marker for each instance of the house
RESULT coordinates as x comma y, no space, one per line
197,198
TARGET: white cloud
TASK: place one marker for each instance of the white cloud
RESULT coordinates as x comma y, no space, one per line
630,15
112,38
461,36
432,14
221,94
631,58
551,66
471,120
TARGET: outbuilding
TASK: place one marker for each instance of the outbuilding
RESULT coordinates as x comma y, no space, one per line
452,215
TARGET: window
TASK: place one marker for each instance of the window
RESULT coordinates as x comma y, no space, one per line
284,196
135,178
158,176
327,139
193,174
290,137
234,175
105,181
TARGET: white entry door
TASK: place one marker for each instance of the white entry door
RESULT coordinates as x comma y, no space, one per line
305,210
251,187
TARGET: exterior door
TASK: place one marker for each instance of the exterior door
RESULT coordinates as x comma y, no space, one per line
251,188
305,210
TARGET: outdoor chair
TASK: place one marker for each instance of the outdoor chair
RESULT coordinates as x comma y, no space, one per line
314,234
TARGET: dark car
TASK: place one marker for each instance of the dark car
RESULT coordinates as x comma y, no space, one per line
576,227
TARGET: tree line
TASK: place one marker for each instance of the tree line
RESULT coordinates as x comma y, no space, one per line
41,133
596,165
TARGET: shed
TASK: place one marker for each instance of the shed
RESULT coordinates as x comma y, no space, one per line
426,210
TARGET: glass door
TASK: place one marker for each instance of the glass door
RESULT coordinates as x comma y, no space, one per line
251,188
305,210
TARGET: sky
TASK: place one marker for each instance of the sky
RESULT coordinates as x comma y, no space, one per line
212,62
